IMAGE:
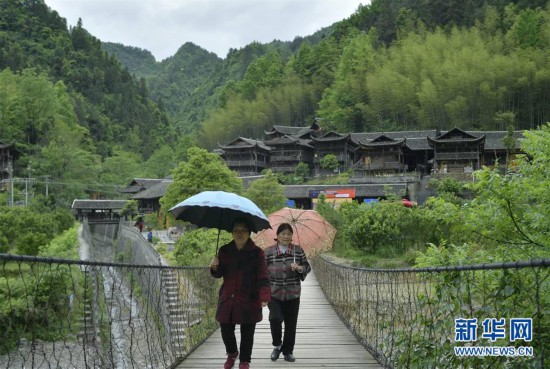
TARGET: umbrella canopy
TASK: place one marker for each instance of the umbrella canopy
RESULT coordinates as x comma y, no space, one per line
311,231
219,209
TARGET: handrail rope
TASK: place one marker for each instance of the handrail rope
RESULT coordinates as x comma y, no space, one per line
487,266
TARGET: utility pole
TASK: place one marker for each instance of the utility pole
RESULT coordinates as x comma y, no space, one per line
27,184
10,176
46,180
26,191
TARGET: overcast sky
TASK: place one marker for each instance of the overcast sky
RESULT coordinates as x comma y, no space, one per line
162,26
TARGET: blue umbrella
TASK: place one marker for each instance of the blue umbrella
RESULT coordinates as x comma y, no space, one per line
219,209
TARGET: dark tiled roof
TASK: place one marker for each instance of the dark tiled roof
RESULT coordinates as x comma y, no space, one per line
289,140
332,136
11,147
98,204
241,142
418,143
145,182
361,190
367,136
288,130
458,134
132,189
383,140
153,192
414,140
139,184
449,139
494,140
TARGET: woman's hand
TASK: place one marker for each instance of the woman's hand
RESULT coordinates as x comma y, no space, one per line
214,263
296,268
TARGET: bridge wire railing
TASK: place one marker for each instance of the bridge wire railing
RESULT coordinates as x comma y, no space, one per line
406,317
57,313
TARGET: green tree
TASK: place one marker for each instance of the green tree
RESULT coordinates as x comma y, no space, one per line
266,71
528,29
329,162
343,104
196,247
510,213
302,172
130,209
160,163
203,171
120,168
26,230
267,193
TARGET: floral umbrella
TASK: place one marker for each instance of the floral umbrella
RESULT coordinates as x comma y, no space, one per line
311,231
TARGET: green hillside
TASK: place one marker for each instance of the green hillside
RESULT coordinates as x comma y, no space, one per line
89,116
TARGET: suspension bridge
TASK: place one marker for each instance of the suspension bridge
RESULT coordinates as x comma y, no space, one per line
121,307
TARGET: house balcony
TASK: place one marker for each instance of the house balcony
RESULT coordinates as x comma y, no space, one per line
245,163
283,169
286,158
387,165
452,156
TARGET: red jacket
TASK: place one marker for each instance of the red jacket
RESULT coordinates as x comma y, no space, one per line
245,283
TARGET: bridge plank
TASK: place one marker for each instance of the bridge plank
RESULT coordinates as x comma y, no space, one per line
322,340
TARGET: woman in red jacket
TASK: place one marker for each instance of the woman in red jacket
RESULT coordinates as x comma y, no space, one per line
245,290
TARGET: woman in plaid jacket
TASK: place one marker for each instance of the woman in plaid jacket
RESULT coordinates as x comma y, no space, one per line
288,267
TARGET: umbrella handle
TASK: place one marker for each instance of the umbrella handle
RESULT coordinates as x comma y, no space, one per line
219,231
217,243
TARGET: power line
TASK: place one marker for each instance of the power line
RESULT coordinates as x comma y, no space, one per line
96,187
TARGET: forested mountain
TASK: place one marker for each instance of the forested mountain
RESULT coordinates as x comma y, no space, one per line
85,112
76,114
392,65
188,83
139,62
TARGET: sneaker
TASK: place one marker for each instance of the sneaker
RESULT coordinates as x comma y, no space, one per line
230,362
244,365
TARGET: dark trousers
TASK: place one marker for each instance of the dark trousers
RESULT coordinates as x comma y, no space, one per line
289,311
247,340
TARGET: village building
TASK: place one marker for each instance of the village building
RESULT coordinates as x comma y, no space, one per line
402,160
381,156
139,184
414,152
342,146
97,211
246,156
289,151
457,151
382,164
149,199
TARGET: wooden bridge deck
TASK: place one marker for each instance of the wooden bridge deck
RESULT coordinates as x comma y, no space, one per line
322,340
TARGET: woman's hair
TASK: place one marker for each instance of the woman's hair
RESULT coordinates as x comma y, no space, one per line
285,227
244,222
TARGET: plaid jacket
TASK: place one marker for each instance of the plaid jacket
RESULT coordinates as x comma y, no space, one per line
286,284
